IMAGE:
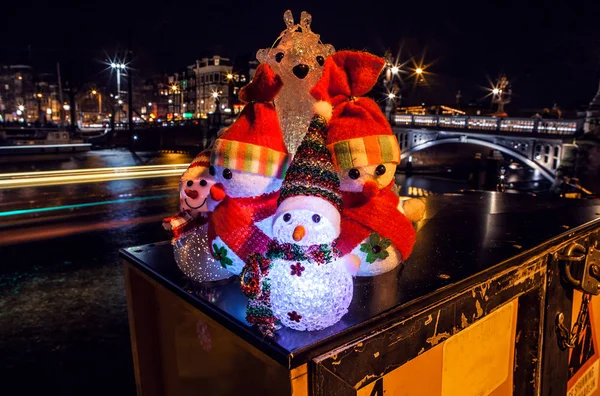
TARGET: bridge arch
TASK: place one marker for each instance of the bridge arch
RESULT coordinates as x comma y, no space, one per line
480,142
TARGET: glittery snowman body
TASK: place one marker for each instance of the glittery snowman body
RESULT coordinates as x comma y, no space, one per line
298,58
192,255
306,294
354,180
239,184
191,249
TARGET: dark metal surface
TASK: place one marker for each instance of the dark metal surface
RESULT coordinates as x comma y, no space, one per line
462,241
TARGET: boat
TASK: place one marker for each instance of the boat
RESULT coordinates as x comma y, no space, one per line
35,144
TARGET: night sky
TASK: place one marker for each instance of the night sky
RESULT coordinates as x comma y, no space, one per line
549,50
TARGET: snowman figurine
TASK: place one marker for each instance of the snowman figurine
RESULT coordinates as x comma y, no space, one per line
297,57
365,154
190,226
248,162
309,284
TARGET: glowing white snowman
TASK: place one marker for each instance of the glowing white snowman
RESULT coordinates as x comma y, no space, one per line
248,163
307,295
247,187
190,245
376,257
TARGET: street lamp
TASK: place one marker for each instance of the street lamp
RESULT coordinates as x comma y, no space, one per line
118,66
94,93
419,71
395,69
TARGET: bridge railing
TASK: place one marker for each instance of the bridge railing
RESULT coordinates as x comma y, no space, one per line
493,124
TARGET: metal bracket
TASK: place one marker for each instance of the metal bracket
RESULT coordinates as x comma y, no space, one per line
581,267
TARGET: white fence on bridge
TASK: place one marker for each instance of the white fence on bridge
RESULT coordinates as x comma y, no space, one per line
491,124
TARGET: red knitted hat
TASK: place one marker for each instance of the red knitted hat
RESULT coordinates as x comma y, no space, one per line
358,132
254,142
199,163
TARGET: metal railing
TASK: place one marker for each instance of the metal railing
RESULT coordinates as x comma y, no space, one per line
492,124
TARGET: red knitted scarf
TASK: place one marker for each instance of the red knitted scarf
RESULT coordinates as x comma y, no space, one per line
362,217
233,221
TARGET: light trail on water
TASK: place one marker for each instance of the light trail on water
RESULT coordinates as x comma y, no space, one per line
61,177
82,205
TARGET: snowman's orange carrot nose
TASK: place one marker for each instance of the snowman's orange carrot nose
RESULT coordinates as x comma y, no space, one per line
370,189
299,233
216,192
191,193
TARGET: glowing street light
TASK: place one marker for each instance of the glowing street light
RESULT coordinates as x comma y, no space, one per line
215,94
149,104
94,92
66,107
418,71
49,111
395,69
495,91
391,96
21,108
120,102
229,76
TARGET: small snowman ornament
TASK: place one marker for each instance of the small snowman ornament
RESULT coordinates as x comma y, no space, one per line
248,162
190,226
298,57
365,154
309,283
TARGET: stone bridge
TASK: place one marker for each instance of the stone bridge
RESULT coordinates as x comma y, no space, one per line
541,144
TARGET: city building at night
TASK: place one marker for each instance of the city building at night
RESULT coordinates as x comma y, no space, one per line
26,96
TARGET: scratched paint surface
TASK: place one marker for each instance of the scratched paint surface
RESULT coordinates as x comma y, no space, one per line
476,361
407,380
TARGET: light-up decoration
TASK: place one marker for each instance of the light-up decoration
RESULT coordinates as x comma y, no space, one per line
248,162
302,282
307,294
298,58
366,154
191,246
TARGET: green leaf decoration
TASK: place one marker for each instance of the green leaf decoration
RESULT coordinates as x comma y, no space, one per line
376,241
365,247
385,243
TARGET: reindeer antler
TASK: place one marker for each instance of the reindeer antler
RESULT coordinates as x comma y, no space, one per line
288,19
305,21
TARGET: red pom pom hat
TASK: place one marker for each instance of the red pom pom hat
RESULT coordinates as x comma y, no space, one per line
199,163
254,142
358,132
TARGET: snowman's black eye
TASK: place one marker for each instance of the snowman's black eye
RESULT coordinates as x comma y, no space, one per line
203,182
190,183
320,60
287,217
279,57
227,174
380,170
354,173
211,170
316,218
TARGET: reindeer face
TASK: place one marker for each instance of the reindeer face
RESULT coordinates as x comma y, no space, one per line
299,56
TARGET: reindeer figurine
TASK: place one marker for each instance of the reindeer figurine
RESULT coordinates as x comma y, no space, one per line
298,57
